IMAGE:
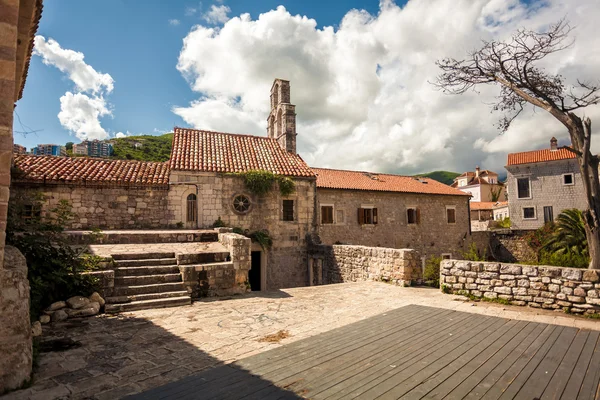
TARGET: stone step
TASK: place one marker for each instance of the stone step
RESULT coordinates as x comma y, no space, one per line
150,270
217,265
147,279
148,296
150,262
146,304
148,289
141,256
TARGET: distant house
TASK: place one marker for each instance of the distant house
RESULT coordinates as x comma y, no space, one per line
501,210
18,149
49,150
541,184
483,186
93,148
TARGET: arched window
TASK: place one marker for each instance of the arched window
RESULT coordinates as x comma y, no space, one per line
279,123
275,96
192,208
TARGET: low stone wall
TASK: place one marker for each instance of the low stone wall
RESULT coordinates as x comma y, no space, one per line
342,263
505,245
536,286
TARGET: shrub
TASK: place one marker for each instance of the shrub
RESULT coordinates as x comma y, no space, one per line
286,186
261,182
567,259
432,270
219,223
473,254
504,223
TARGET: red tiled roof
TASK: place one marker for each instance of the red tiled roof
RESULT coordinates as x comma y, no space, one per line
81,170
539,156
357,180
197,150
486,205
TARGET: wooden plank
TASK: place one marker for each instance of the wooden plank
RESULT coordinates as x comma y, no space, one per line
555,388
505,344
574,385
590,388
345,367
422,382
525,387
386,380
502,359
528,360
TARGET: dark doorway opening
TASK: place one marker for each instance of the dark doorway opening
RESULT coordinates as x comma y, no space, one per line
255,272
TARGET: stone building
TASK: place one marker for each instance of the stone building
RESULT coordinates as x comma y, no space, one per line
541,184
204,185
483,186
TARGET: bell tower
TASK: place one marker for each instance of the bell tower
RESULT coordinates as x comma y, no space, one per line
281,124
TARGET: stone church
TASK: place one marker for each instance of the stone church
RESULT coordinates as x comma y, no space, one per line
203,184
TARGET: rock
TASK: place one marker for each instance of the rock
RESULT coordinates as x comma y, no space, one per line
56,306
36,329
59,315
87,311
95,297
572,274
44,319
77,302
591,276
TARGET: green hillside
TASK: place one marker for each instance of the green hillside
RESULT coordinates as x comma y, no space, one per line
143,148
446,177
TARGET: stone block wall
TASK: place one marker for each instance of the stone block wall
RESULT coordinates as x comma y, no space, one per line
105,207
341,263
536,286
505,245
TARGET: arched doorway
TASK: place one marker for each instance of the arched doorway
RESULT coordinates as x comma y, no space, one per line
192,211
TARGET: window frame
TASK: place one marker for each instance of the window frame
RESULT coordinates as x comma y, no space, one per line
283,211
323,205
417,215
446,256
529,185
191,208
534,213
551,213
362,214
572,175
453,208
250,204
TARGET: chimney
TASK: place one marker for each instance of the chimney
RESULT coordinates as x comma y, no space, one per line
553,144
477,171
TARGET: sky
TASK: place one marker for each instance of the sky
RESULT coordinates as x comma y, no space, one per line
360,74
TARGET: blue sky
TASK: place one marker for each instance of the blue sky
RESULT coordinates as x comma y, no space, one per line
138,47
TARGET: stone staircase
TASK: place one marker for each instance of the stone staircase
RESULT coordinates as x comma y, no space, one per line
146,280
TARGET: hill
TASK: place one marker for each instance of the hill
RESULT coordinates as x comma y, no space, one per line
445,177
143,148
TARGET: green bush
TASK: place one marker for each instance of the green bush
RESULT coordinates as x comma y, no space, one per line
567,259
432,270
473,254
219,223
286,186
259,182
504,223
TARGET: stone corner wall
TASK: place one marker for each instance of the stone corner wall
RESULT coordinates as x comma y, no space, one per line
577,290
239,247
344,263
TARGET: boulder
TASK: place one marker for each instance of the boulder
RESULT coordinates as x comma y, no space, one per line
59,315
36,329
87,311
77,302
95,297
56,306
44,319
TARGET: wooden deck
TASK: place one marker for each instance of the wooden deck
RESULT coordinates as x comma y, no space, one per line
413,352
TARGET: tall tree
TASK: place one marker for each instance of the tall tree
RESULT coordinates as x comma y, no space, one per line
514,65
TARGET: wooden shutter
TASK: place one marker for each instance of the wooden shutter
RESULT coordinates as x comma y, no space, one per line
361,216
418,211
375,216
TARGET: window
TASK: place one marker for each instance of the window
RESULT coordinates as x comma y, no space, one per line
288,210
367,216
31,211
413,216
241,204
528,212
523,188
326,214
548,214
446,256
192,208
339,216
451,215
568,179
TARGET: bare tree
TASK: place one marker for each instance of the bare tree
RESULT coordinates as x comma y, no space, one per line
514,66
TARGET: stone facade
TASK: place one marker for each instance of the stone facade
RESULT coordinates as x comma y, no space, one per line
547,189
281,124
340,263
432,236
105,207
577,290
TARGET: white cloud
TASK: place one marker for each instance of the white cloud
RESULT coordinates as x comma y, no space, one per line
191,11
362,90
80,112
174,22
119,135
217,14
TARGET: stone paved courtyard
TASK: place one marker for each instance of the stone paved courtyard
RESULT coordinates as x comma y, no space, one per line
132,352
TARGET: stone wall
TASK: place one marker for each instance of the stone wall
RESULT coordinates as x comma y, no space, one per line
116,207
505,245
547,189
287,258
433,236
341,263
548,287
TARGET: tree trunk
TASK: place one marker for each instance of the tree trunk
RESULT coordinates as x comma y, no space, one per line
593,239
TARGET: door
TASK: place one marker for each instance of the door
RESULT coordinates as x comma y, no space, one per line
548,214
254,275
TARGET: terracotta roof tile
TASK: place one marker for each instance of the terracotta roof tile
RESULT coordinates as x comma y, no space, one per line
197,150
539,156
32,31
97,171
487,205
357,180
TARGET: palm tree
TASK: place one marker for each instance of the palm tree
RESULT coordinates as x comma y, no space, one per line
569,234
